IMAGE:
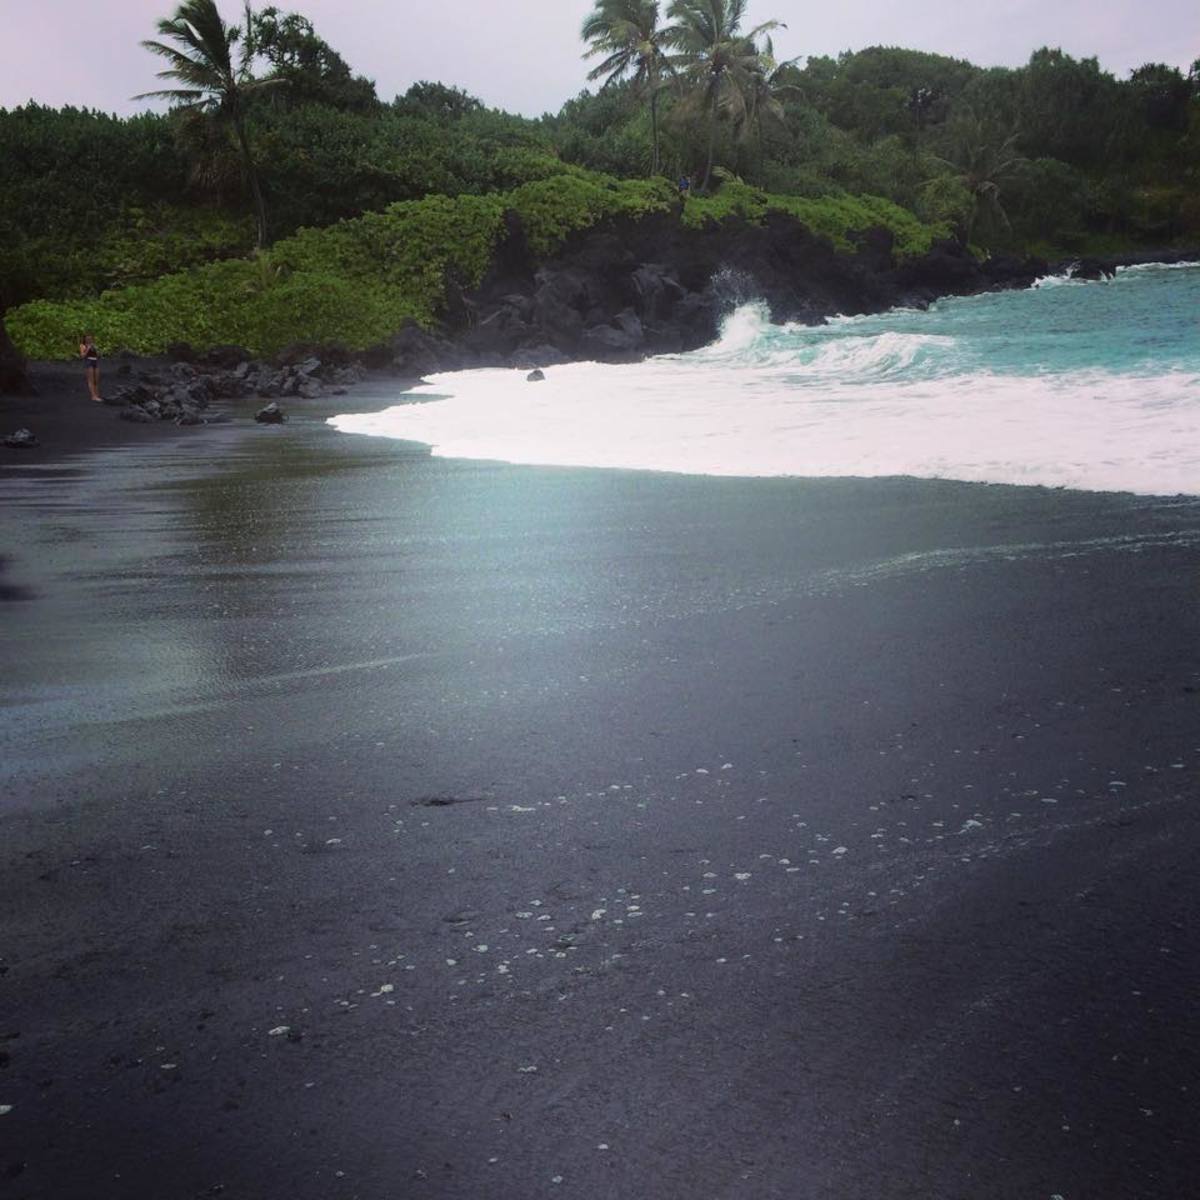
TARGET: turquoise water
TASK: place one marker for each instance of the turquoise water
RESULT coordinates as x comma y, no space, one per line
1088,385
1145,322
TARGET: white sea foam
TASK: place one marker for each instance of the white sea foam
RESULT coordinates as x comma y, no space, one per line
1153,267
763,401
1051,281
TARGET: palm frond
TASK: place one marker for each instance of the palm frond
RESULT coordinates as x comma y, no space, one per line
180,96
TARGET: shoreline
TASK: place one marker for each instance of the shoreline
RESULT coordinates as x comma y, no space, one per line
67,423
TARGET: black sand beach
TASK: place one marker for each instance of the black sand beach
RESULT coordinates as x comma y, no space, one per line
375,825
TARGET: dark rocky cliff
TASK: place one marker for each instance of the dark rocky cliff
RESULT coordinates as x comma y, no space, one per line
618,292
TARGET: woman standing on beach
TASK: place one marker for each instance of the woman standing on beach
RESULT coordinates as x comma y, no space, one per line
91,365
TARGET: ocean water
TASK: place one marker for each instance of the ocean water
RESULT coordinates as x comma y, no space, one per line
1069,384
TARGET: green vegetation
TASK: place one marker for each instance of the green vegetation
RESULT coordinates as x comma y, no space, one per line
145,228
354,282
836,217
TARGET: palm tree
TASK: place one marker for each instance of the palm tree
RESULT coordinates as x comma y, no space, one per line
215,165
627,33
984,162
766,83
202,61
717,58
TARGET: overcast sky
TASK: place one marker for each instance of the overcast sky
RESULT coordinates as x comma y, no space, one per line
524,55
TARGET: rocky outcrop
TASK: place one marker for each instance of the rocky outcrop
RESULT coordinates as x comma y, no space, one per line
182,396
1004,271
624,290
308,377
184,390
1092,268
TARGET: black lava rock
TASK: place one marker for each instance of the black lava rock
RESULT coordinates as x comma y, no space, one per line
272,414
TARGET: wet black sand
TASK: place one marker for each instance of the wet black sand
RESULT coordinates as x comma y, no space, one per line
67,421
294,730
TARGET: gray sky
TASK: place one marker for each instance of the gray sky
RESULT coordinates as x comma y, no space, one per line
524,55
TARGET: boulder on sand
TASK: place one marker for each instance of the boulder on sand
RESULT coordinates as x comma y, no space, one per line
272,414
22,439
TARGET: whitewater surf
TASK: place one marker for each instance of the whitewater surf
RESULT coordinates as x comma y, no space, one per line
1093,386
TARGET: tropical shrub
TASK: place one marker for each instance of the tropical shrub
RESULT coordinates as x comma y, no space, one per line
838,216
552,209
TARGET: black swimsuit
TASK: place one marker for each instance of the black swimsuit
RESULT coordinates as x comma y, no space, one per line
92,357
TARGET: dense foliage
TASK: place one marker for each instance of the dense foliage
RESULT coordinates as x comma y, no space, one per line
838,217
354,282
88,201
370,203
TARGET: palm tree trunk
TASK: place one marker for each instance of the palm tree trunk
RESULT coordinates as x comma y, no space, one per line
972,218
712,143
260,209
654,130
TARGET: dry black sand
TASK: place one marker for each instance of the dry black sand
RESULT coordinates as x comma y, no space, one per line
378,826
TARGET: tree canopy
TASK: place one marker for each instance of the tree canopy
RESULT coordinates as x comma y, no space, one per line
1058,155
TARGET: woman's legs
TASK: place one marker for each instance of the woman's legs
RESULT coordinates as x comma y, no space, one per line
93,382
